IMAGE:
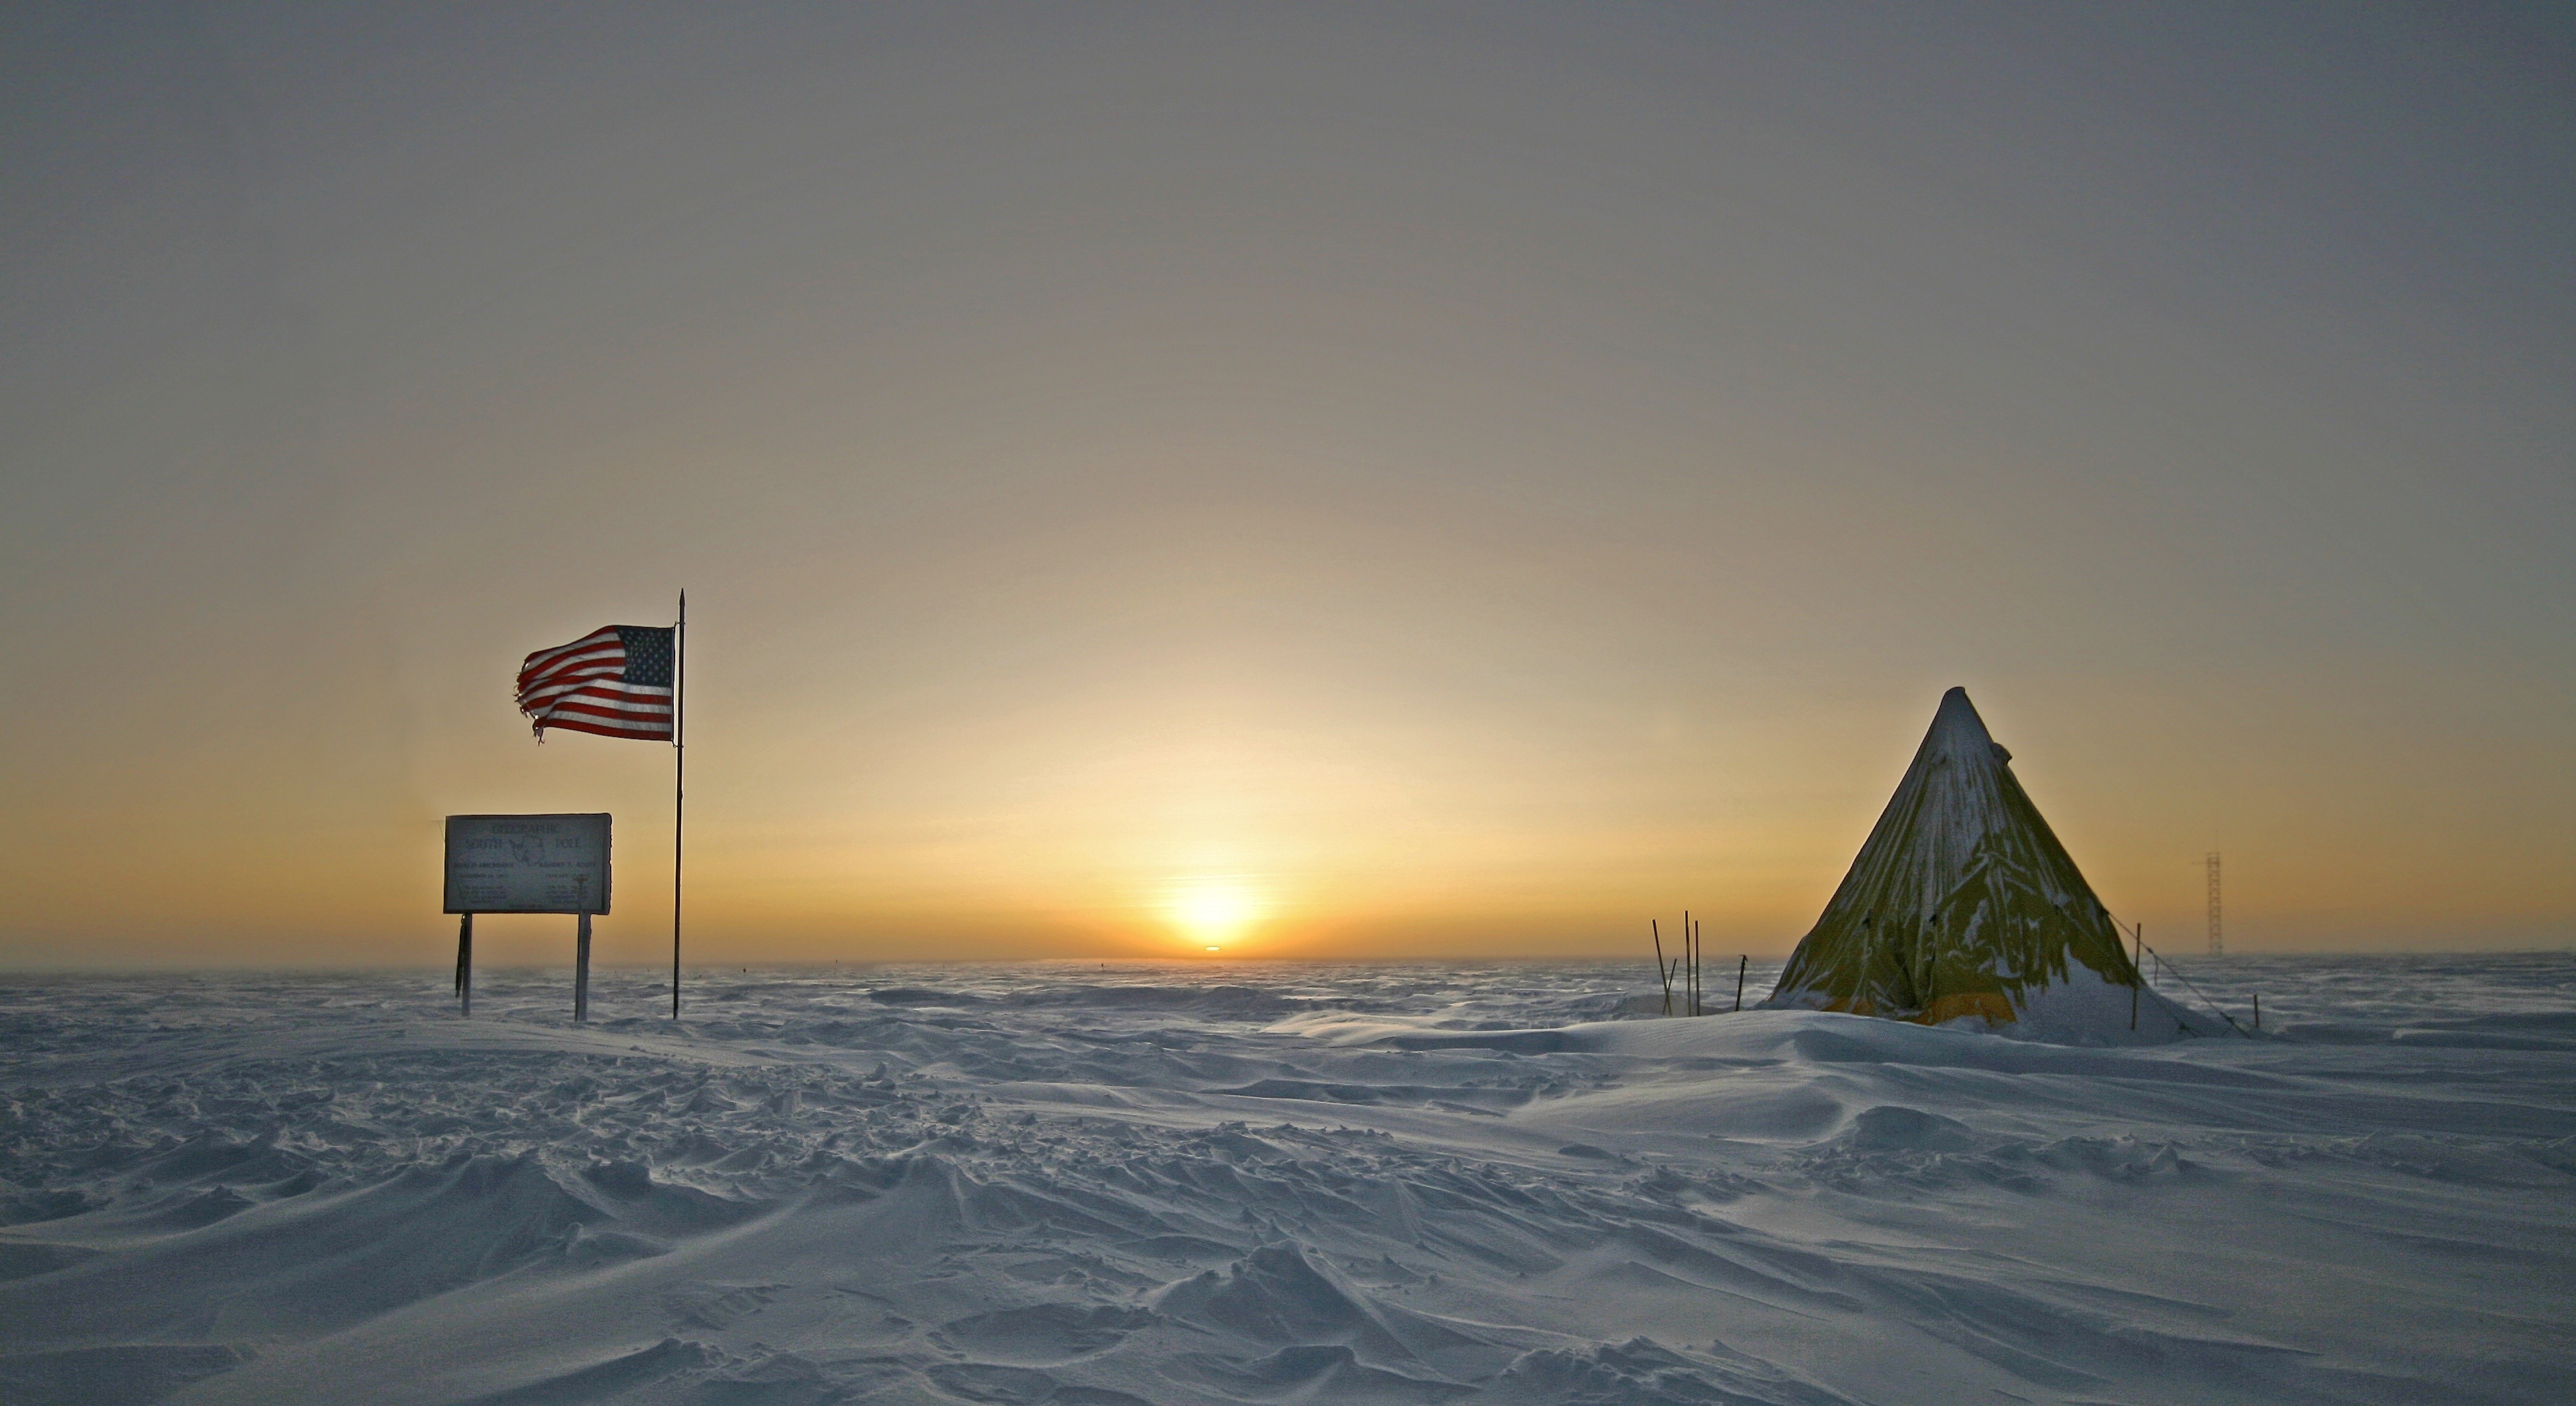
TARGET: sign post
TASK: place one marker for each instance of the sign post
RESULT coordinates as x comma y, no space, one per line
527,864
465,964
581,969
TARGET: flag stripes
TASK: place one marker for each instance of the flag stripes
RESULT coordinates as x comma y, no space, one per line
614,681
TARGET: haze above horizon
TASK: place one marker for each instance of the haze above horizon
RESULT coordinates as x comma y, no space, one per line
1282,482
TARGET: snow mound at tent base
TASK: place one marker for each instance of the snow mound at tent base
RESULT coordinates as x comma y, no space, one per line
2086,1010
2082,1009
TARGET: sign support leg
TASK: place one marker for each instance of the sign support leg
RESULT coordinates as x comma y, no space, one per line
581,969
465,964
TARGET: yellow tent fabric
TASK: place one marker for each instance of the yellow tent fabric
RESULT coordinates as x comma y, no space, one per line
1961,903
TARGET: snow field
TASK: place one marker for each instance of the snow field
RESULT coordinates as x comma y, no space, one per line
1075,1185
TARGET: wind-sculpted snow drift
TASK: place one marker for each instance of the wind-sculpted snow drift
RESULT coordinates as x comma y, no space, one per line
1289,1184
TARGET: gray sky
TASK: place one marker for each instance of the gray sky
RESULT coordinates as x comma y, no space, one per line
1458,479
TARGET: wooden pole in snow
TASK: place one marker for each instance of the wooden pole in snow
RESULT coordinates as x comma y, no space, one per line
2138,975
1699,972
1663,974
1690,945
1741,963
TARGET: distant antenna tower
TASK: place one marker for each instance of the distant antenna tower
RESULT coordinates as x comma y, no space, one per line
2217,937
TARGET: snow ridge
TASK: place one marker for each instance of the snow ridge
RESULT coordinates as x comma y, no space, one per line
1419,1184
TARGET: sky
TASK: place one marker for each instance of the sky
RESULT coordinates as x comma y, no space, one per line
1313,481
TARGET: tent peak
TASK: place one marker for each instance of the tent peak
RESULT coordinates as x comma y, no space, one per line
1958,731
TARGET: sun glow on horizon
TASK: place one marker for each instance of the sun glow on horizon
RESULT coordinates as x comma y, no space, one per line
1212,912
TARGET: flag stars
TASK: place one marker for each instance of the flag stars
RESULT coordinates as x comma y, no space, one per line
649,654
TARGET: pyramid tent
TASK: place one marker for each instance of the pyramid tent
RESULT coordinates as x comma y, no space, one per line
1962,903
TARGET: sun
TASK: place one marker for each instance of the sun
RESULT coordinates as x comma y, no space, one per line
1212,912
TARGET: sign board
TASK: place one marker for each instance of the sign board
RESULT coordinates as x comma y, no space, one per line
527,863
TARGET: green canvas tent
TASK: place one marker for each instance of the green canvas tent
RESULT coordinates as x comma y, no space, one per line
1963,904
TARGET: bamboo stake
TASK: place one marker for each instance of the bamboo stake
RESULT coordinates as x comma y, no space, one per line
1661,974
1741,963
1690,944
1697,987
2138,977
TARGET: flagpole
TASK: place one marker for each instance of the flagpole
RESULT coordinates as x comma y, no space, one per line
679,790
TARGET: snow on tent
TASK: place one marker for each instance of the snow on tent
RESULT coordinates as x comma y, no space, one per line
1964,905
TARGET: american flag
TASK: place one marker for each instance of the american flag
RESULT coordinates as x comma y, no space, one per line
614,681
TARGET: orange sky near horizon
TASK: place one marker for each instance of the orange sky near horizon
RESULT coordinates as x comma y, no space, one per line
1314,484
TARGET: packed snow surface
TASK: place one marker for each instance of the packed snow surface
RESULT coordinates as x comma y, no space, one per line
1080,1185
